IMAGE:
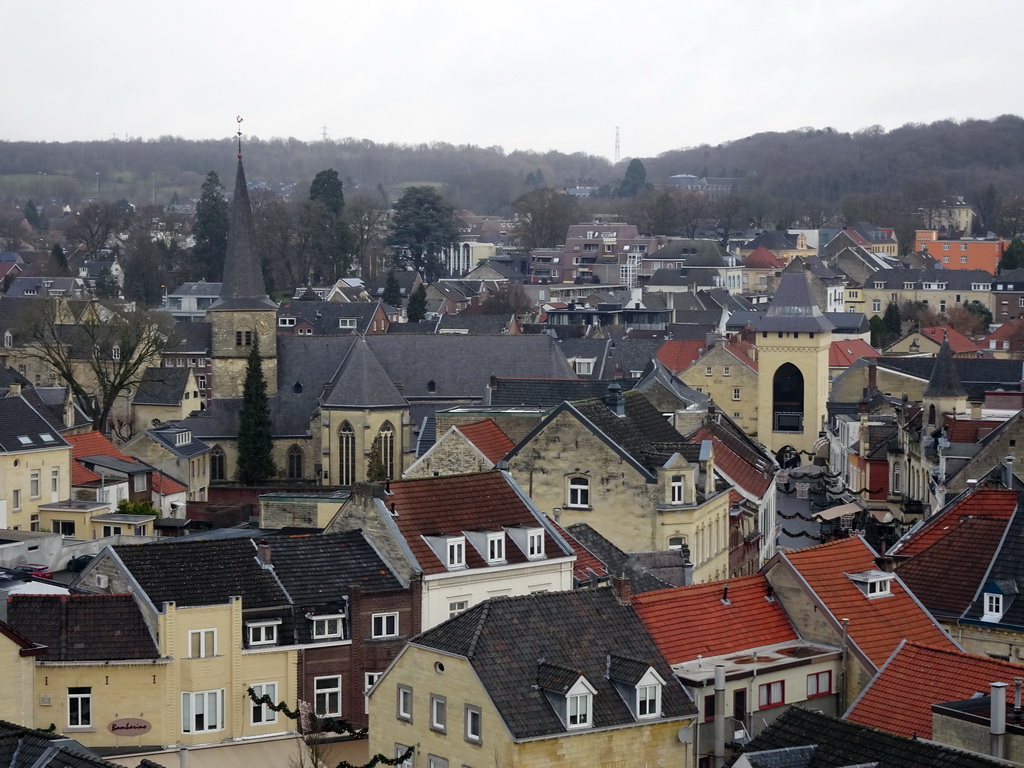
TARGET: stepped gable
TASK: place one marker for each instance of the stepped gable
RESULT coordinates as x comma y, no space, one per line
945,380
515,644
242,287
83,627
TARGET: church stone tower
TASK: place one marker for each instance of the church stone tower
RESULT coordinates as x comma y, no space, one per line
944,393
793,340
244,312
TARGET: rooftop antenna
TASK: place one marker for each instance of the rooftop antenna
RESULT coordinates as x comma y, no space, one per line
616,145
325,133
239,134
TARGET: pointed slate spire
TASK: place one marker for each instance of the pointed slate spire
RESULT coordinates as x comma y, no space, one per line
242,286
945,380
793,308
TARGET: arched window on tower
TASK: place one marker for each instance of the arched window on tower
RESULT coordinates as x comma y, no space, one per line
295,463
386,437
346,454
218,464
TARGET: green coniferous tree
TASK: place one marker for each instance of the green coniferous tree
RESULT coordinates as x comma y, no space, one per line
211,230
893,323
376,472
392,291
255,444
417,309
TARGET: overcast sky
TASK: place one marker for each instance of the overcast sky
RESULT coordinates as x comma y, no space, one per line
522,74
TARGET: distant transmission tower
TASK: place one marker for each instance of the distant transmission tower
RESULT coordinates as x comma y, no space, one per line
617,145
325,133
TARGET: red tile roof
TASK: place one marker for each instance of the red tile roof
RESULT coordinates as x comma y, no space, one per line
877,625
687,622
1006,331
679,354
737,462
994,503
958,343
90,444
741,350
488,438
166,485
848,351
900,697
762,258
968,430
448,506
586,562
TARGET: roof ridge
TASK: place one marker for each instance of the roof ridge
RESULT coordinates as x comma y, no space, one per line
484,613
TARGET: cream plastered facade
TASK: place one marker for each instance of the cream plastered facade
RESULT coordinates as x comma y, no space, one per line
154,690
650,744
730,383
47,471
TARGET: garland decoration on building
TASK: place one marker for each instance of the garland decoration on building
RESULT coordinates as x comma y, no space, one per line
304,717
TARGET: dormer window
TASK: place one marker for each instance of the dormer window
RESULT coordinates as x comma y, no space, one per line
8,339
347,322
457,552
639,685
579,709
569,693
328,627
286,322
872,583
262,632
496,548
183,438
677,489
993,607
535,544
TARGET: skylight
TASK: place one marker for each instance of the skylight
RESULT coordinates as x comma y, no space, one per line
46,437
24,439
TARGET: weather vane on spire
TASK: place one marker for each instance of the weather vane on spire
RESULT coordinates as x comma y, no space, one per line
238,119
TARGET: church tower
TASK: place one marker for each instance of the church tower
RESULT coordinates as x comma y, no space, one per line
944,393
244,312
793,340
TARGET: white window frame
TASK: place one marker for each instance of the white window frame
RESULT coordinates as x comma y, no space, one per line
380,625
189,699
736,393
993,607
677,489
79,707
496,548
535,544
726,370
201,639
474,722
369,680
648,700
578,496
578,709
55,479
139,482
323,630
456,548
262,632
33,484
261,714
438,713
403,703
325,689
455,607
709,370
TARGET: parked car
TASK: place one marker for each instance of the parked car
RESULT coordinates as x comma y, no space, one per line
77,564
34,569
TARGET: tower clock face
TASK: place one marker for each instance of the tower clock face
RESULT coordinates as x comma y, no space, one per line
262,326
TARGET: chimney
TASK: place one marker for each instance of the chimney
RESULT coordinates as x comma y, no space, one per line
872,374
623,590
1017,681
719,715
14,389
1008,472
263,553
997,720
615,400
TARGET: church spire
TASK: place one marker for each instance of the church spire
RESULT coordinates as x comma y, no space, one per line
945,380
242,286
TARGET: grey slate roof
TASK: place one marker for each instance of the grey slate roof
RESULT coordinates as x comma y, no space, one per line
955,279
22,747
773,240
482,325
944,381
166,571
550,392
362,382
793,308
161,386
512,642
325,316
243,286
841,743
166,436
190,337
83,627
22,428
617,562
976,375
201,288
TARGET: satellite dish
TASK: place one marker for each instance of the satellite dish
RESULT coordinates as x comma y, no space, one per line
685,734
